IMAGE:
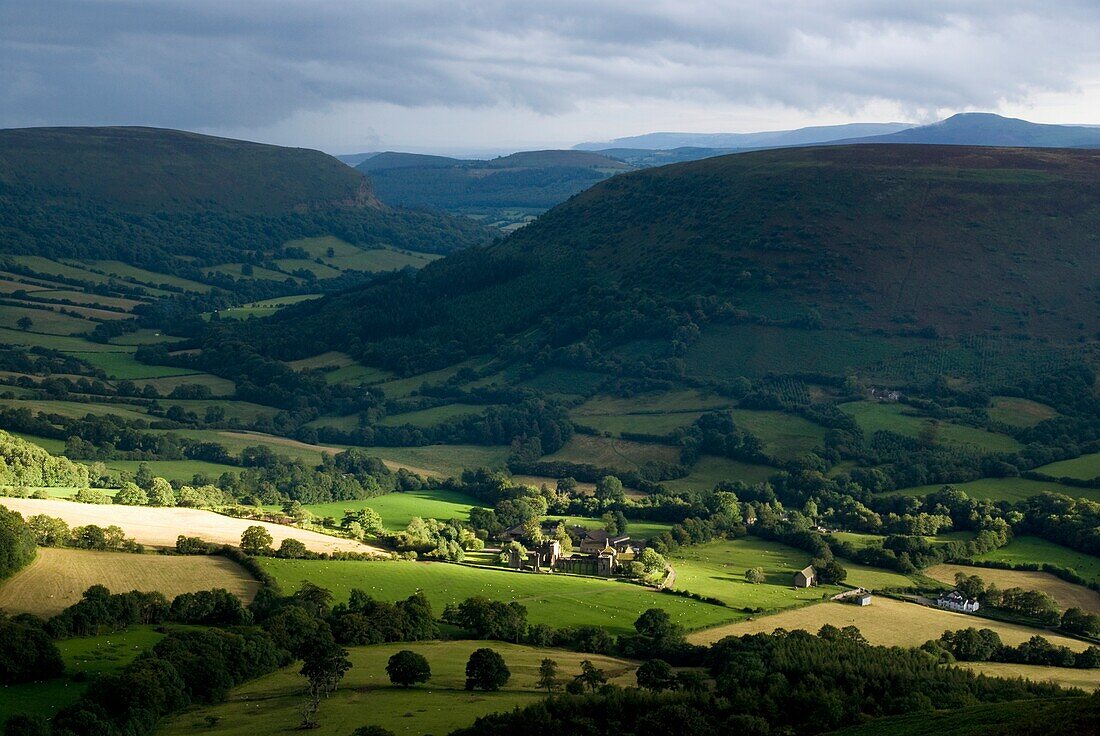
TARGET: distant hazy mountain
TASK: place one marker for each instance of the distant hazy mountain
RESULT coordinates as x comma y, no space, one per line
766,139
506,192
987,129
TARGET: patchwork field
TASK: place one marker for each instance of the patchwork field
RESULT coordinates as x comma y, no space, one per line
717,569
1019,412
886,621
1034,550
558,600
58,578
873,417
272,704
605,452
159,527
1088,680
1007,489
1085,467
709,471
1068,595
433,416
397,509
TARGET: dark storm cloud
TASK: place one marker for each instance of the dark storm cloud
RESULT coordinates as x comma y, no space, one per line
201,63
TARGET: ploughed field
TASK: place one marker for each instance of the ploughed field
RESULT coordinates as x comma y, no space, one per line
58,578
159,527
1066,594
886,621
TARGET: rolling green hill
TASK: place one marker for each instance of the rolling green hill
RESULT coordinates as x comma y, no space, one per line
880,240
172,201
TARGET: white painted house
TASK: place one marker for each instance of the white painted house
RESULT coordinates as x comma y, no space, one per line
956,601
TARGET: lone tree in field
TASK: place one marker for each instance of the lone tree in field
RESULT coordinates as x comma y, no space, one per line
591,676
656,675
548,676
756,575
256,541
323,667
24,323
407,668
486,670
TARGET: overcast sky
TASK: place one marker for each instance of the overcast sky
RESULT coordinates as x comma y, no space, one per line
455,76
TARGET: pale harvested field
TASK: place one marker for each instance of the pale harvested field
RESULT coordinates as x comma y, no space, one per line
886,621
159,527
1088,680
1068,595
58,578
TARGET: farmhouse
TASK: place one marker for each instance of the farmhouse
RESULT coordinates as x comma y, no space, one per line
597,540
806,577
547,556
858,597
956,601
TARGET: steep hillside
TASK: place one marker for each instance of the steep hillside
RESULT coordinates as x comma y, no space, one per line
148,169
507,192
903,240
171,201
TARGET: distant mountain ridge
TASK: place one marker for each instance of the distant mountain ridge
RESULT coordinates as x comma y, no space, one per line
764,139
987,129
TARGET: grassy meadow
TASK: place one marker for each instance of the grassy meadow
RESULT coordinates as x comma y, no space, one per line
717,569
555,599
84,657
1036,551
272,704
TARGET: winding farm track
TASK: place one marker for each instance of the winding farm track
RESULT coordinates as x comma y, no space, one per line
159,527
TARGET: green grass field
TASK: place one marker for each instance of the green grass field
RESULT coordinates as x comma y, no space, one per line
1034,550
605,452
709,471
86,657
717,569
1006,489
77,409
655,424
666,402
1019,412
558,600
1085,467
342,368
443,460
785,436
402,387
43,320
397,509
272,704
123,365
433,416
872,417
637,529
